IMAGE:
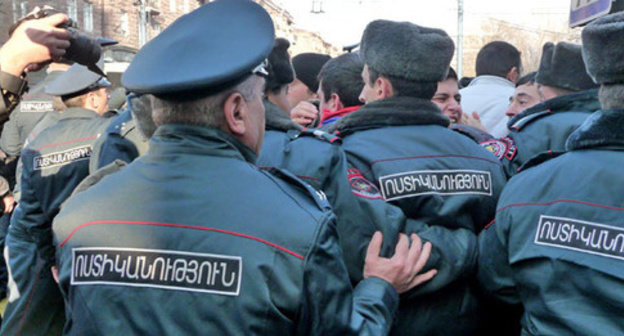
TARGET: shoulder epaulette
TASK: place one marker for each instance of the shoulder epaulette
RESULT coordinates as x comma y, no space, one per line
319,196
317,133
539,159
529,118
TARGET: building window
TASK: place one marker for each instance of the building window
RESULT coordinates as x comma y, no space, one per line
88,16
20,9
172,6
124,24
155,29
72,10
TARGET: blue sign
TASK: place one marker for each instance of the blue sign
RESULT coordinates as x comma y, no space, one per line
583,11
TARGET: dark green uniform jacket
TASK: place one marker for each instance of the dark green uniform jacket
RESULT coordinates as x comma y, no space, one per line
33,107
542,129
558,240
277,123
53,164
207,244
436,176
121,140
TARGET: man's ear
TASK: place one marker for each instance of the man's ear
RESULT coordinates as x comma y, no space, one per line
334,102
235,112
513,75
383,88
91,102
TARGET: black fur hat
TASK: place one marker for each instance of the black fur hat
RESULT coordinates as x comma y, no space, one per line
407,51
603,41
307,67
280,69
562,66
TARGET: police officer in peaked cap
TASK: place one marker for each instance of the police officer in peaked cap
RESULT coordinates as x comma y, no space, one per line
205,249
52,165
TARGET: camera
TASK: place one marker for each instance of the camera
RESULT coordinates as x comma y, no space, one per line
83,49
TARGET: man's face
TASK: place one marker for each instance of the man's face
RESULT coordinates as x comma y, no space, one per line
525,96
297,92
254,124
448,99
546,92
280,99
99,102
368,91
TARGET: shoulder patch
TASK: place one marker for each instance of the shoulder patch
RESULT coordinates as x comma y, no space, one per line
362,187
504,147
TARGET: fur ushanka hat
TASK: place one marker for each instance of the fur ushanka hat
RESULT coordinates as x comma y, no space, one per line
407,51
562,66
603,43
280,69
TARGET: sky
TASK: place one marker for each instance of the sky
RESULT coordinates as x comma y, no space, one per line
343,21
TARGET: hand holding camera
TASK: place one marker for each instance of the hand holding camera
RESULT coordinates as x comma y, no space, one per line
34,43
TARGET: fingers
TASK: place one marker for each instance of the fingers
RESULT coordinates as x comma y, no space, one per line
475,115
374,247
63,35
414,252
402,247
423,257
56,19
422,278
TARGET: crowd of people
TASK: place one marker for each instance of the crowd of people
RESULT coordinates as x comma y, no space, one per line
239,191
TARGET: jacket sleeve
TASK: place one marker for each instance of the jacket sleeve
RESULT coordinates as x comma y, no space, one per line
329,305
454,252
110,147
10,139
29,215
494,272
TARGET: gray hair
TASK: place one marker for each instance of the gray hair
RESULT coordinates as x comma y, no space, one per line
611,96
205,111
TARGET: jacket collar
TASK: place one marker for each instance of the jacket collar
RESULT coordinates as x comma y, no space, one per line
78,113
394,111
601,129
278,120
179,138
329,115
584,101
490,80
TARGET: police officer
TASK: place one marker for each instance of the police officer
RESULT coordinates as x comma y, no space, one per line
53,164
276,104
233,250
126,138
400,141
569,95
33,107
556,245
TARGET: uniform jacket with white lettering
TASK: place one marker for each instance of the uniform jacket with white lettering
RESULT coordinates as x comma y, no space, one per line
542,129
242,251
53,164
318,159
33,107
120,141
558,240
436,176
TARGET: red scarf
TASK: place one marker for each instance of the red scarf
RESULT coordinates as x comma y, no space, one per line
327,114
